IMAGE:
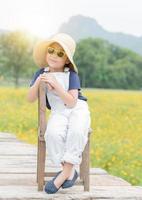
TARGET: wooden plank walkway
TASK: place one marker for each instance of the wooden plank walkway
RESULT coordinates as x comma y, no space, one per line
18,177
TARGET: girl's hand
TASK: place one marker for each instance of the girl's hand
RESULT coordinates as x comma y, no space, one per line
50,80
38,81
49,87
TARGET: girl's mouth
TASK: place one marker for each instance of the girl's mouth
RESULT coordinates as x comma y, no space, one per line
52,60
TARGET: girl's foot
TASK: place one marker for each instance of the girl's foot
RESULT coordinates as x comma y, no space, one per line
59,180
72,174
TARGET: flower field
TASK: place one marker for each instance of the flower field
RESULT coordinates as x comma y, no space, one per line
116,141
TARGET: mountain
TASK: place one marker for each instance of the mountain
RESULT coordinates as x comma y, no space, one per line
81,27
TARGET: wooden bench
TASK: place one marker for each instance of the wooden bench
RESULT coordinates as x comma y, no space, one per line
41,154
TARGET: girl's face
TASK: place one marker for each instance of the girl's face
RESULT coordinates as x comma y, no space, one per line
55,62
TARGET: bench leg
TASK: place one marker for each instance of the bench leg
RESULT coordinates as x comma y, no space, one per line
85,167
81,168
41,164
37,159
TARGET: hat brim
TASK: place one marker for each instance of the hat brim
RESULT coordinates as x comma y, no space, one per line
40,50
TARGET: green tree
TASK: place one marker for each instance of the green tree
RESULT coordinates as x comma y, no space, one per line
103,65
15,51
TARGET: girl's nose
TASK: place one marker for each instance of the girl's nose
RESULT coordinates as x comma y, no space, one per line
54,55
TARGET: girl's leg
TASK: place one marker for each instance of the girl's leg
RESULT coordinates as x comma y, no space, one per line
72,171
62,164
77,135
55,137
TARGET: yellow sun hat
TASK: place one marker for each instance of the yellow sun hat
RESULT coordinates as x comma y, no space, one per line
67,43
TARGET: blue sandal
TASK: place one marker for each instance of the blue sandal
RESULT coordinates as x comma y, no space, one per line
57,175
50,187
70,183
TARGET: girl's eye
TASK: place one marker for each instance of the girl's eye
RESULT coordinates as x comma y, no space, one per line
50,50
60,54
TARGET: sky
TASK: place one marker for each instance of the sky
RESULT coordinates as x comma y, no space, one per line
44,17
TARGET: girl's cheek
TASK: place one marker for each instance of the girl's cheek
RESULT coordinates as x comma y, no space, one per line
63,61
46,57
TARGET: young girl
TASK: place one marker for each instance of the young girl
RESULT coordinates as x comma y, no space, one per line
67,128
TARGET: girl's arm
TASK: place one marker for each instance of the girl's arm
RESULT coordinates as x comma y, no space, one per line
33,91
69,98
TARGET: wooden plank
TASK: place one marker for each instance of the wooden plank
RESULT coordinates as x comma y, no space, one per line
9,140
17,148
23,179
18,177
32,170
7,135
74,193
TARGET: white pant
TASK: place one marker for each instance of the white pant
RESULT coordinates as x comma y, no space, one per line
67,134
